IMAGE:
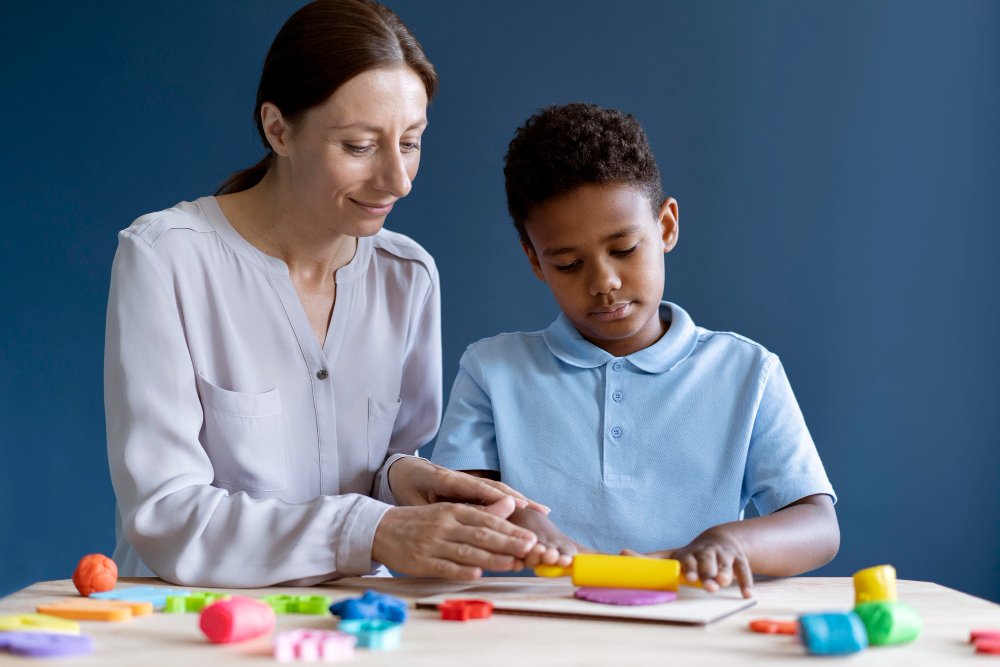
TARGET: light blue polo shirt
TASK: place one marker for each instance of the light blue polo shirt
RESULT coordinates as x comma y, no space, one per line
641,452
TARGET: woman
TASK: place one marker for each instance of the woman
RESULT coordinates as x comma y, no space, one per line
273,355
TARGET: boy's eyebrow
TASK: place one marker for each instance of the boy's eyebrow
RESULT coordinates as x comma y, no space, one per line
550,252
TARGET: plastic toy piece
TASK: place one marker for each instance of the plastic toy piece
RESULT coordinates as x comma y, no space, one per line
770,626
875,584
377,634
372,605
155,595
889,623
38,623
833,634
192,602
299,604
463,610
974,636
607,571
988,646
45,644
96,610
313,646
95,573
236,619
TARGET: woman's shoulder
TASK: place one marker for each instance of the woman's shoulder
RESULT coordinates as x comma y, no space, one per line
402,247
152,227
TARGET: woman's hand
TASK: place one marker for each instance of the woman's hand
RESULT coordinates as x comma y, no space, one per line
451,541
416,481
715,557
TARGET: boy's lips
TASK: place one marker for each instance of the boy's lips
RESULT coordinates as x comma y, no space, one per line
613,312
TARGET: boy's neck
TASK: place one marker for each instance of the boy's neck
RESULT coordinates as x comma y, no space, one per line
648,336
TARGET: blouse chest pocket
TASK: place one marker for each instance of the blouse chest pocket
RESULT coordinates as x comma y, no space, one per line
381,421
244,436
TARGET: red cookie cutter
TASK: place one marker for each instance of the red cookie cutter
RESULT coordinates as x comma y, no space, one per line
463,610
771,626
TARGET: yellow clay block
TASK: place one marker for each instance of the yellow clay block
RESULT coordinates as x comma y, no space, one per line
38,623
875,584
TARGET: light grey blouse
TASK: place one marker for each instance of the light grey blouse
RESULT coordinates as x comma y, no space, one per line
242,453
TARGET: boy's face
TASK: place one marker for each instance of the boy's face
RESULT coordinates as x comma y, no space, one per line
600,250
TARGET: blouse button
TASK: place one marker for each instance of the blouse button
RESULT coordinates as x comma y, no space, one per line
322,374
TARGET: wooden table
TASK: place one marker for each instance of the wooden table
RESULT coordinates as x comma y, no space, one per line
523,641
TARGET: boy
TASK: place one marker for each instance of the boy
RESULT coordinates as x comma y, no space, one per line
642,432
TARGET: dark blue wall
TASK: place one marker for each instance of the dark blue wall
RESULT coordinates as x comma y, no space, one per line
836,167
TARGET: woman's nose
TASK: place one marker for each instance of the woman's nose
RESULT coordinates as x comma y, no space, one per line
392,174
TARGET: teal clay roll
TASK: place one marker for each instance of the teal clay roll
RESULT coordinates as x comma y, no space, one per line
889,623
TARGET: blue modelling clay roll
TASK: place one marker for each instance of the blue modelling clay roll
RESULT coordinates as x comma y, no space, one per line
833,634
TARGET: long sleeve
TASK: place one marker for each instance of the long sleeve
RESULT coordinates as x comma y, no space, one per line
186,530
420,389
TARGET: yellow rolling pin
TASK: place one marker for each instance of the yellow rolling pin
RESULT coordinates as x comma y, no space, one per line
607,571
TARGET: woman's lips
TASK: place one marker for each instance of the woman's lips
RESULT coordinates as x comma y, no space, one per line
612,313
373,209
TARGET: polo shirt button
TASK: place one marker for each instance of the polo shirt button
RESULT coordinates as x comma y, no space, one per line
617,396
322,374
616,432
617,366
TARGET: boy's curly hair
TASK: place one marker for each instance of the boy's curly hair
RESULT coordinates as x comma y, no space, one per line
565,146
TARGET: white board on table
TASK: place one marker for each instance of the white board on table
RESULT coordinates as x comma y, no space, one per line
555,598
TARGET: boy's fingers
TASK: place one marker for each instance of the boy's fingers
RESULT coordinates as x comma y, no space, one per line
725,575
744,576
708,565
689,566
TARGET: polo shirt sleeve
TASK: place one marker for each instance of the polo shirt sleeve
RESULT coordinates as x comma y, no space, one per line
184,529
782,462
467,440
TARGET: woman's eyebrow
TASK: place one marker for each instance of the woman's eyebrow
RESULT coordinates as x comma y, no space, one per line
368,127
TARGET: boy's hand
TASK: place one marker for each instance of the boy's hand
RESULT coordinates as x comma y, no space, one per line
553,548
714,557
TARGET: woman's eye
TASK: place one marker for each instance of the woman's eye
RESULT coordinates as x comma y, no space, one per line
359,150
410,147
567,267
626,252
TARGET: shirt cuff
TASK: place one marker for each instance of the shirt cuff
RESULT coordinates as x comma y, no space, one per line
383,491
354,544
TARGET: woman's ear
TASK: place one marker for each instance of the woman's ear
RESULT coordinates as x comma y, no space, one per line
276,129
536,267
669,229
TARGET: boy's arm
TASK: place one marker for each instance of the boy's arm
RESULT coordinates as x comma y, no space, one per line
795,539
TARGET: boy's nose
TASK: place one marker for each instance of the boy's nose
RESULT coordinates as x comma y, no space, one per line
603,280
391,174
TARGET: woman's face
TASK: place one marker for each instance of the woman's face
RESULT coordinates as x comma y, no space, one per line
352,157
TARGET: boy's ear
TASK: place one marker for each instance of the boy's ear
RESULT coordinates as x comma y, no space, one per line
276,129
536,267
669,227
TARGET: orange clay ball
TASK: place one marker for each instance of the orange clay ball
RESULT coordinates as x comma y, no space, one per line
94,574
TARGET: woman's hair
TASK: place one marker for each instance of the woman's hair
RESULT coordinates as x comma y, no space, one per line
321,47
561,148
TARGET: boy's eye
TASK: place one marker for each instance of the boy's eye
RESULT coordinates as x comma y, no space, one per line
565,268
624,253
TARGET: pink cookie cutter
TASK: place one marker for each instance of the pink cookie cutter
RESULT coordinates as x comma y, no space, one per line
313,645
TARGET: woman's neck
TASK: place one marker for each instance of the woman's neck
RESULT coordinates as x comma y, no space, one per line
275,222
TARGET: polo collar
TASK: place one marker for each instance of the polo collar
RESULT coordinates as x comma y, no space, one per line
568,345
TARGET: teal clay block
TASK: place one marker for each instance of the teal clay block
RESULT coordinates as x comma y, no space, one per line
377,634
889,623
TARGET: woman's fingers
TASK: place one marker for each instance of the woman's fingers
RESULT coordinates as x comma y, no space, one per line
524,500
